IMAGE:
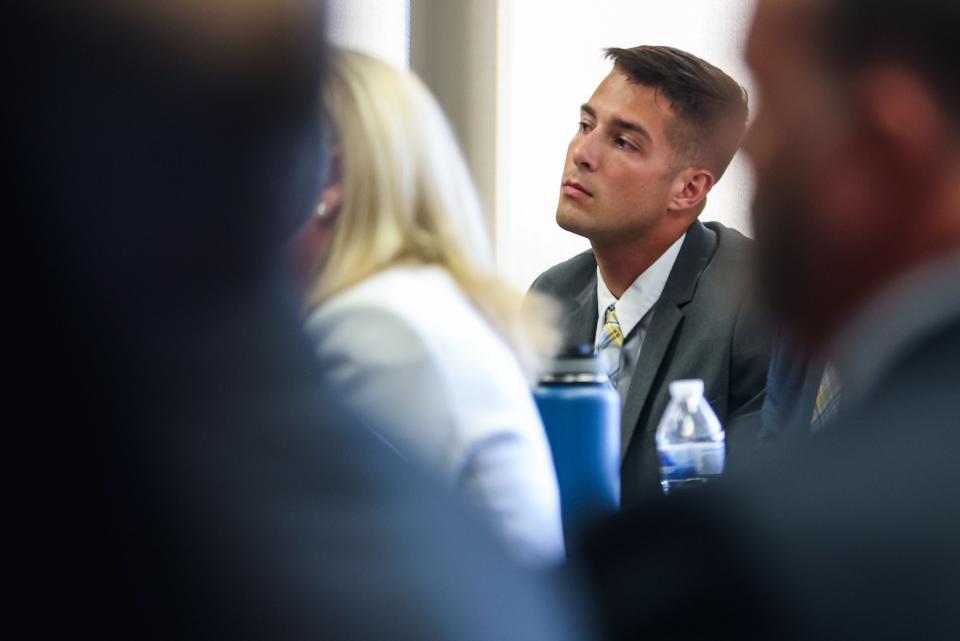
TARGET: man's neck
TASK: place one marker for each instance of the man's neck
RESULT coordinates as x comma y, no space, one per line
621,264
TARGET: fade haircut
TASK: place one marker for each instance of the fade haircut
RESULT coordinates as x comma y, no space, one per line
709,107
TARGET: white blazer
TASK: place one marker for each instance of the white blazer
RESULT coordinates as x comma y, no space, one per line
413,359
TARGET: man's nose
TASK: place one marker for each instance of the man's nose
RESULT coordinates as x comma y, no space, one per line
585,151
749,143
756,143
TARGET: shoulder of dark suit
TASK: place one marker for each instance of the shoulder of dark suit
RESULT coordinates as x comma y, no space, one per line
571,275
733,254
730,240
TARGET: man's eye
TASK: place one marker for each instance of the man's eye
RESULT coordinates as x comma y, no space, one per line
584,127
623,143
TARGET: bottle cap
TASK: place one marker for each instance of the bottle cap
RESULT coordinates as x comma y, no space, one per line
577,364
686,388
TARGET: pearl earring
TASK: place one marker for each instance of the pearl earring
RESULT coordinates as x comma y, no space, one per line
321,210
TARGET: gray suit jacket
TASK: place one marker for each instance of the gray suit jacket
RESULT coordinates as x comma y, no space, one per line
703,326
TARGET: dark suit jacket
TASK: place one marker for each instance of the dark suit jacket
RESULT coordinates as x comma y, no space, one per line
851,534
703,326
792,384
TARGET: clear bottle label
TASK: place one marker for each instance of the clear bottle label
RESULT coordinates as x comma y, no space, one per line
681,461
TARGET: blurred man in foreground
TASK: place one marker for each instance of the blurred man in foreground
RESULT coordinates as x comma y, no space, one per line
853,534
174,470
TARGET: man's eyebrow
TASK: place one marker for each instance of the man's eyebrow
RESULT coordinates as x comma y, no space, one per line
619,123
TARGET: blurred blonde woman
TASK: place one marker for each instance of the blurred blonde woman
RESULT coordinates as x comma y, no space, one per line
416,333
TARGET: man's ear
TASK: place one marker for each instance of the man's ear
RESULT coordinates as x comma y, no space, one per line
904,114
887,163
691,187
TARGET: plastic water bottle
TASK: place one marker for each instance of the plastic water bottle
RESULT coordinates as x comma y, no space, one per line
581,414
690,440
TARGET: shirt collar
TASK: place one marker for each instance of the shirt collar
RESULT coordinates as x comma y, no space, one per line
642,294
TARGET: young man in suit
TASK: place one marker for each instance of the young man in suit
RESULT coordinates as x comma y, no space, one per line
659,295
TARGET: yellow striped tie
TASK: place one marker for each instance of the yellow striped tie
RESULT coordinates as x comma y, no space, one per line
610,343
828,398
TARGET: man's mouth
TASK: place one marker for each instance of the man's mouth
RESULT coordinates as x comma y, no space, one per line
575,189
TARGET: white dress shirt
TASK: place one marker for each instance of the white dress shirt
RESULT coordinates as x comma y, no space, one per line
635,310
412,358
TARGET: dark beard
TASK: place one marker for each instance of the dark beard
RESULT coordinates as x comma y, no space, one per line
786,252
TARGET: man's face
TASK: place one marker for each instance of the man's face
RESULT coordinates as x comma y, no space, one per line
619,170
796,144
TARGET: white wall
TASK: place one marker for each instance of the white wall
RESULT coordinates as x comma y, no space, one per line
377,27
550,61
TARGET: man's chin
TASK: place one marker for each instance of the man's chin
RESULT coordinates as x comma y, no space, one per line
571,222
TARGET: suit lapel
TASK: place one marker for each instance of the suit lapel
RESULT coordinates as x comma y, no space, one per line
666,319
694,256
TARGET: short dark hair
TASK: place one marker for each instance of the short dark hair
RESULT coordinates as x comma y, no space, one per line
922,34
710,107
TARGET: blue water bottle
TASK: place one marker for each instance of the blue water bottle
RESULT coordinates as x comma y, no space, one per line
581,413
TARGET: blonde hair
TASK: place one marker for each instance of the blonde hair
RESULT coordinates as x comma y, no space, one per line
409,198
